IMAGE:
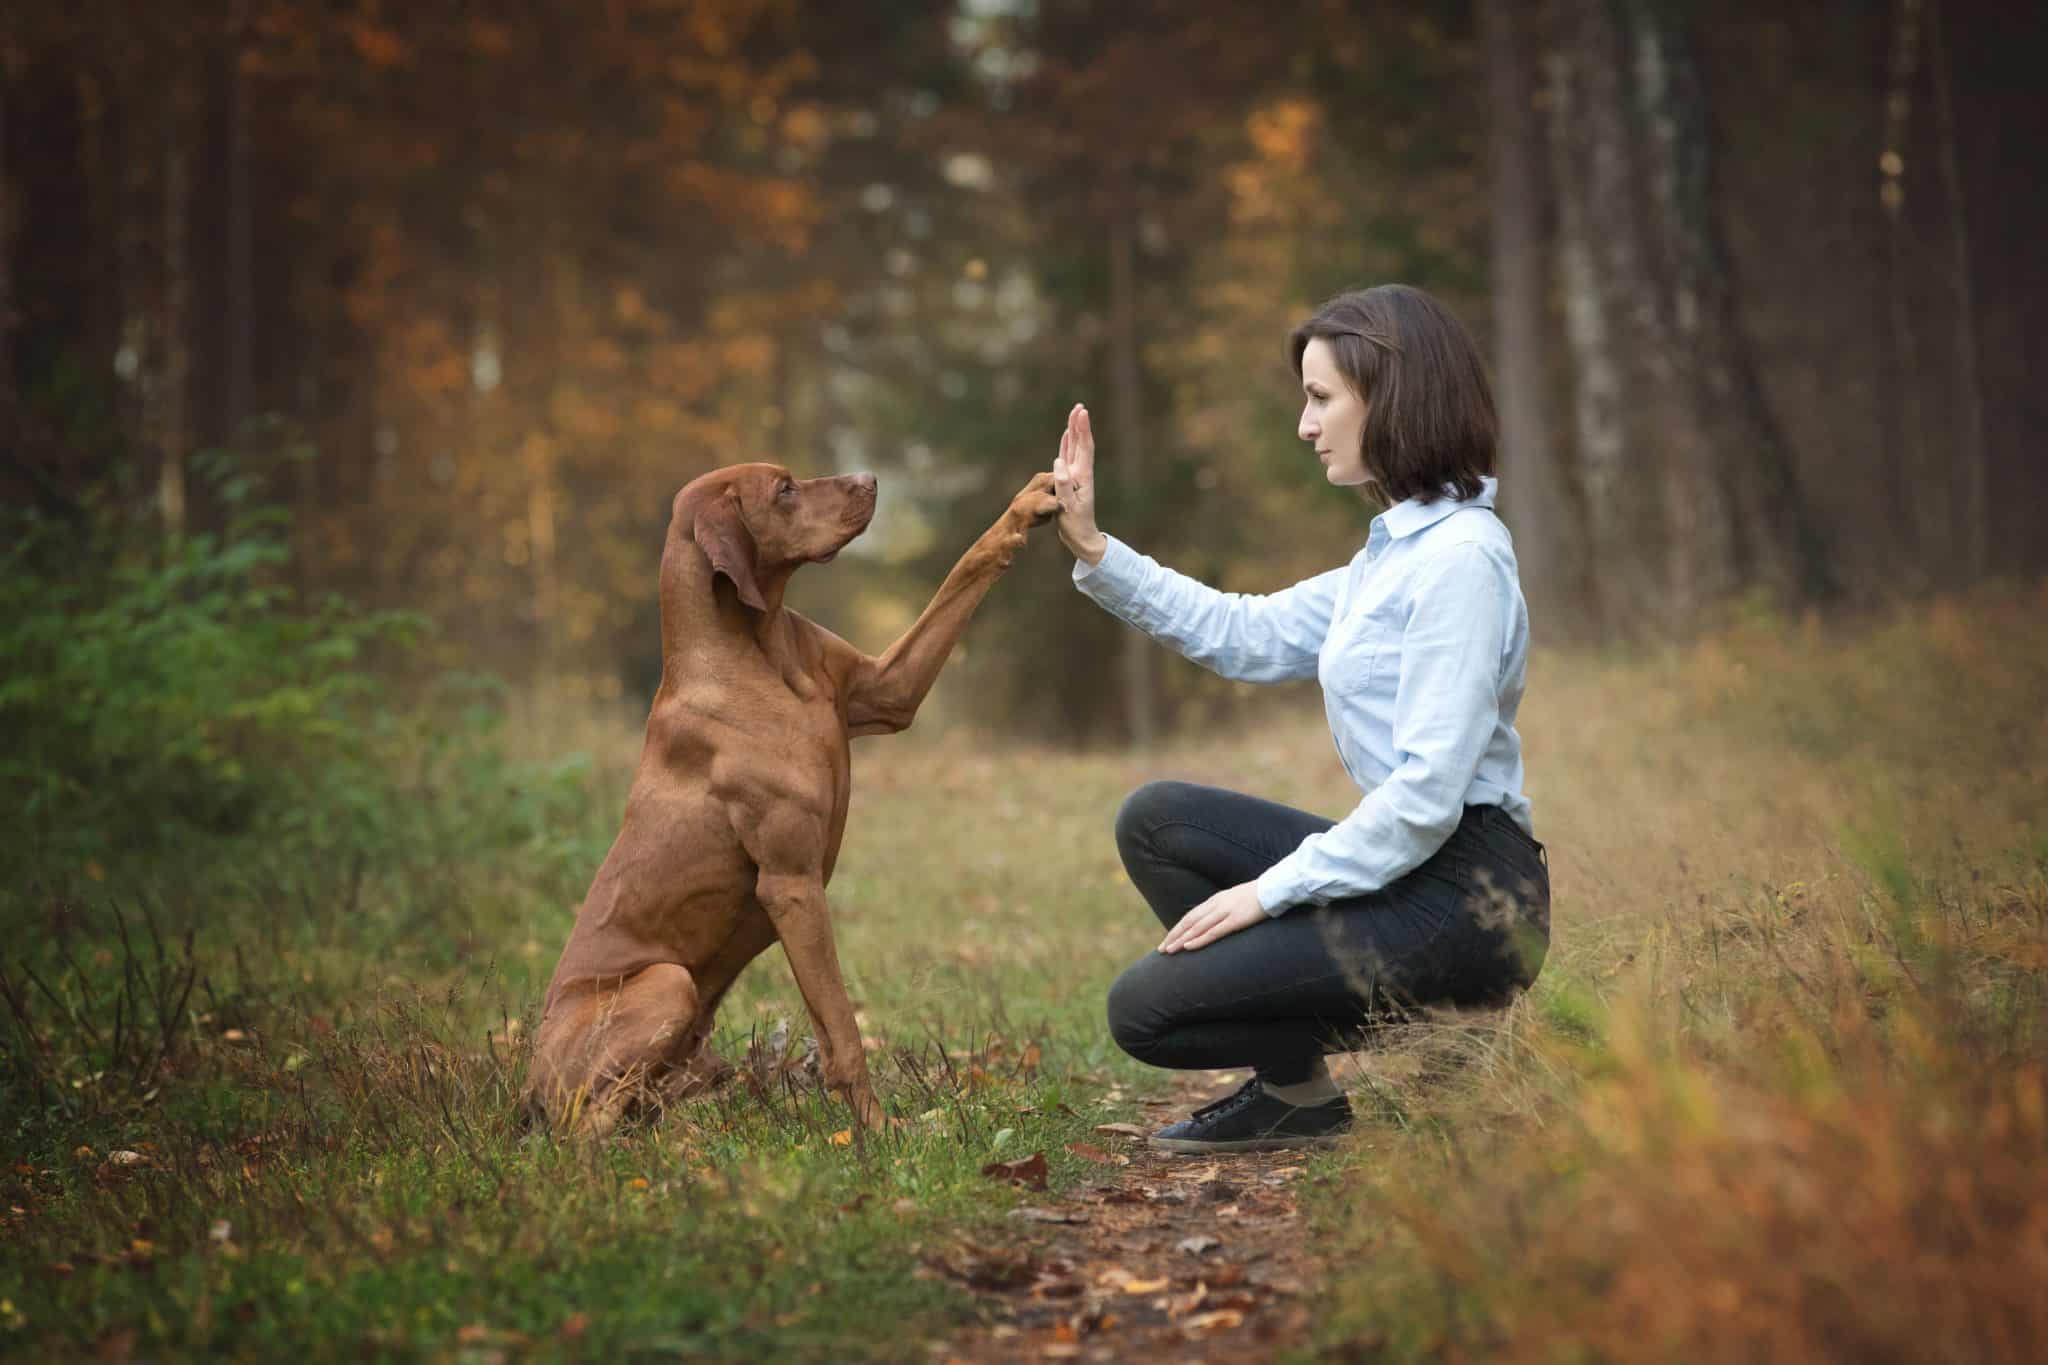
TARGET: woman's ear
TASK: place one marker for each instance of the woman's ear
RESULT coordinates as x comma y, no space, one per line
723,536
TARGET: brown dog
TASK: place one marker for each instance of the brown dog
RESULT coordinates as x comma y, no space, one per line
735,815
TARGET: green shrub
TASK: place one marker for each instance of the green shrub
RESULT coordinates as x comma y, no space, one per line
159,694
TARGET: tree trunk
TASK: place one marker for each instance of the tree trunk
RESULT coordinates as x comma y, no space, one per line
1542,511
1771,531
173,419
1972,514
240,289
1593,256
1905,440
1653,317
7,320
1140,719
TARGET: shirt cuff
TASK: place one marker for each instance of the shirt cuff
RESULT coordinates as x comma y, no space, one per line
1113,551
1114,582
1278,889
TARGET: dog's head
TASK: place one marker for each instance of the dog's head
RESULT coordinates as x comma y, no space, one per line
758,523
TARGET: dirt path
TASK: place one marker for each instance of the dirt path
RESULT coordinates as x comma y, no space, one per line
1165,1258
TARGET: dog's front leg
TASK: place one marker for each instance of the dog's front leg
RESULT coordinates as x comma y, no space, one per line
886,691
795,903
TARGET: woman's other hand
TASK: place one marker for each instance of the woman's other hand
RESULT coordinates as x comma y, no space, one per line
1073,482
1226,912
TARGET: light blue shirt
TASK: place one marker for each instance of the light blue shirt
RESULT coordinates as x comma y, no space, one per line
1421,644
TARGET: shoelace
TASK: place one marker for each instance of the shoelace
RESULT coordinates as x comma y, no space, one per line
1242,1095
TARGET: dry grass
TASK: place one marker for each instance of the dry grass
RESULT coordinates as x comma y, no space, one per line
1778,1094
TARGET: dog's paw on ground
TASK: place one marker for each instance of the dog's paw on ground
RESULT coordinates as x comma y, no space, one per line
1164,1258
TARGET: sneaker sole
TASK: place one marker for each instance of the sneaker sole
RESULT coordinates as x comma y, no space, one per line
1195,1146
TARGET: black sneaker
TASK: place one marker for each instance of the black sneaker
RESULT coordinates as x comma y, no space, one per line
1253,1121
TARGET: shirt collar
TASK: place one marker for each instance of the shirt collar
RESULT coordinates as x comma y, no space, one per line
1407,517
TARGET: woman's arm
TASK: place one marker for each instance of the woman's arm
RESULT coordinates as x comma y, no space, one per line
1446,709
1249,638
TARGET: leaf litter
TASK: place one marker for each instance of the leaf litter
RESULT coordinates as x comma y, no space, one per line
1162,1256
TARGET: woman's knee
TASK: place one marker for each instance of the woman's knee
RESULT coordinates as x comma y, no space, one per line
1135,1017
1143,811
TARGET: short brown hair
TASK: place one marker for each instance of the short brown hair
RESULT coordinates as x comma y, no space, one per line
1429,418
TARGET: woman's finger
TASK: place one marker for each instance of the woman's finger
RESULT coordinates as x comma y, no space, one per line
1191,924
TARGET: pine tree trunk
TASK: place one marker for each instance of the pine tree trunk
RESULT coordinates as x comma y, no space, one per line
1593,259
1766,525
7,321
1533,494
1140,720
240,285
1653,318
1905,430
1972,513
173,417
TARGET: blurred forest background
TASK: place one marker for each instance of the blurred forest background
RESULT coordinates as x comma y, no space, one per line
453,296
351,352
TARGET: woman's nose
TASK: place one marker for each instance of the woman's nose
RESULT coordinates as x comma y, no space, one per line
1306,429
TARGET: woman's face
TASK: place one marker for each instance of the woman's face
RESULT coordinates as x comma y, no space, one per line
1333,417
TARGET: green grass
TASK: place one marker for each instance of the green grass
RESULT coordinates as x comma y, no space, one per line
1796,983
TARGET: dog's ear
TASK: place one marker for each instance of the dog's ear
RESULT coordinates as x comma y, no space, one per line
723,536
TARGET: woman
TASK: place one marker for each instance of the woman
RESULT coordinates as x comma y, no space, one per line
1287,933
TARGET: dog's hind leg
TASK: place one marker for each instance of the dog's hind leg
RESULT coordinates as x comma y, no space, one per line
613,1049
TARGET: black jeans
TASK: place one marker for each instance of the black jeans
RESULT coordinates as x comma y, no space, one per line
1470,926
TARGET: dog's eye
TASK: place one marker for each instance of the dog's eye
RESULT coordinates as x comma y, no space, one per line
787,490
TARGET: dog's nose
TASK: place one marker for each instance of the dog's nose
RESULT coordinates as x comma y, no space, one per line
865,482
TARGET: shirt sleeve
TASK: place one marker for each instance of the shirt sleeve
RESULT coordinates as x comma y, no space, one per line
1446,707
1269,638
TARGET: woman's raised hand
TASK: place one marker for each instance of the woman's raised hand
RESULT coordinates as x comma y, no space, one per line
1073,482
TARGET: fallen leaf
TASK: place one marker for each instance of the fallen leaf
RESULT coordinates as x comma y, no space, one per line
1028,1171
1208,1172
997,1271
843,1138
1180,1305
575,1325
1197,1244
1095,1154
1146,1286
1036,1215
1216,1321
1130,1130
